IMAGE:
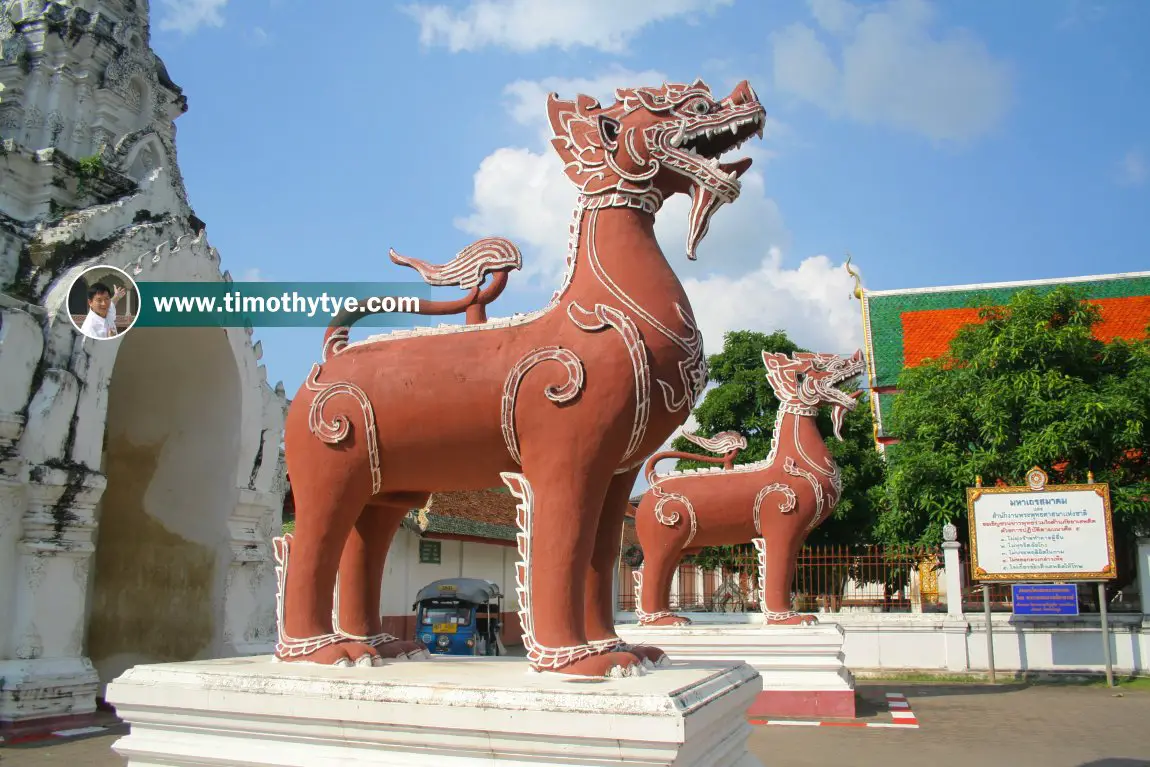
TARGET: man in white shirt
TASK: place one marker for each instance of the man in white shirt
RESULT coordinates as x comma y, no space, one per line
101,319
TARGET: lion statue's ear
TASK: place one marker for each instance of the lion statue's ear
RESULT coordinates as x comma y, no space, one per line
582,139
609,129
774,360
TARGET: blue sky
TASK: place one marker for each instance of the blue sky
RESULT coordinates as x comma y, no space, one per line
939,143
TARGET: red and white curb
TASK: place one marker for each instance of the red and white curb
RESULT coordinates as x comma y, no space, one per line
54,735
896,702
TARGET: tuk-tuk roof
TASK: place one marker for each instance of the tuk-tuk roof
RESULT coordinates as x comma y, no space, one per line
474,590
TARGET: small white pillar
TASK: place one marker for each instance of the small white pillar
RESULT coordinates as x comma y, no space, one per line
955,628
249,626
952,571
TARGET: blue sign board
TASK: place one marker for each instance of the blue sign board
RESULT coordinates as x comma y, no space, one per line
1044,599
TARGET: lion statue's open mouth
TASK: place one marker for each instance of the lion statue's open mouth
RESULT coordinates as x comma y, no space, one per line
692,146
655,139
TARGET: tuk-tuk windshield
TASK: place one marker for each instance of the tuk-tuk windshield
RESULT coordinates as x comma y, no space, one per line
460,616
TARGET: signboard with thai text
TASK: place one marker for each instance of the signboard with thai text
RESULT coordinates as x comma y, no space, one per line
1041,532
429,552
1044,598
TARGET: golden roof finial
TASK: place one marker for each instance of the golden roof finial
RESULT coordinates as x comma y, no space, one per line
858,291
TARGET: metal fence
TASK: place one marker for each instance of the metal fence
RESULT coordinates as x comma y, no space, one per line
827,579
846,579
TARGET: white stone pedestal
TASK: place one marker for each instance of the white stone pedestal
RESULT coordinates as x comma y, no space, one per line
447,712
801,666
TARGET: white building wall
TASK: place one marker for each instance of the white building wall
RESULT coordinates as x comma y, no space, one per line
938,643
405,575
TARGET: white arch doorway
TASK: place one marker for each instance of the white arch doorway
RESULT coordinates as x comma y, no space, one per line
155,485
170,450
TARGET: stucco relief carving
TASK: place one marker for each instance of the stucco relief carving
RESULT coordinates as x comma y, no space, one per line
55,126
31,644
11,118
81,568
34,572
80,135
8,12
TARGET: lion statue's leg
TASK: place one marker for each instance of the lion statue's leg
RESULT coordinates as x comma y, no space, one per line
557,498
654,588
599,607
780,548
308,561
663,544
356,615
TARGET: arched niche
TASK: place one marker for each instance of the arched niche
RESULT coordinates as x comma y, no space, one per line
186,430
137,94
144,156
169,454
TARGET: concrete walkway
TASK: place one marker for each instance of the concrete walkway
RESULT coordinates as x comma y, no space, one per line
968,725
976,725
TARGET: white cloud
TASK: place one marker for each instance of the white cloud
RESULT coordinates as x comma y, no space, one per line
811,302
892,69
835,16
1133,170
189,15
252,275
529,25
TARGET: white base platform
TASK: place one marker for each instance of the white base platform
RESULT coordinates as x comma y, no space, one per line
447,712
802,666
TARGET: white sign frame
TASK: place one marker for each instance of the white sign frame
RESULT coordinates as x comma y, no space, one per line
984,570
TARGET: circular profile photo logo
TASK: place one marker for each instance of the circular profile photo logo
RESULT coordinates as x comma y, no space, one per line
103,302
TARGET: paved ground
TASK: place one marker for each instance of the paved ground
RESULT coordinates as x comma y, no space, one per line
962,725
973,725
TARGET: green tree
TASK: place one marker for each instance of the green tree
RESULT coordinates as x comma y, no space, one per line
743,401
1028,386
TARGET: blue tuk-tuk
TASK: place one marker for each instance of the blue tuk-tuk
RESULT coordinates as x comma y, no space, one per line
460,616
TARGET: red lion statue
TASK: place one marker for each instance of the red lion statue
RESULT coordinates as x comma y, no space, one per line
773,503
563,404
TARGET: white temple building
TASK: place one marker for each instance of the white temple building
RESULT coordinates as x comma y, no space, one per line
141,478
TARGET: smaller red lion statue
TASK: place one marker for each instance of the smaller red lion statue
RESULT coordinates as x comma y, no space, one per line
773,503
